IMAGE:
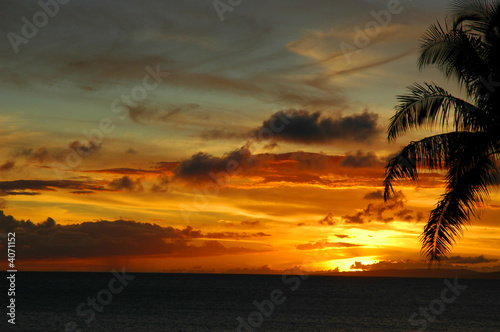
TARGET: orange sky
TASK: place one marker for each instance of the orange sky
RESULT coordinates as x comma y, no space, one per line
162,139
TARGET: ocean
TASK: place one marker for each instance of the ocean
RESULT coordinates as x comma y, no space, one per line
62,301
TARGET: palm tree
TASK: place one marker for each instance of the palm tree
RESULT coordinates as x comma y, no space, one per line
466,47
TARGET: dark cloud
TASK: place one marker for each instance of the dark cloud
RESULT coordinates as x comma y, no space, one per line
19,186
422,264
325,244
131,151
248,223
197,54
404,214
40,155
469,260
361,159
328,220
300,126
103,238
379,195
126,183
7,166
375,212
161,185
396,264
203,167
129,171
265,269
210,134
19,193
43,155
342,236
271,146
374,195
145,113
375,63
357,218
245,224
84,149
293,167
233,235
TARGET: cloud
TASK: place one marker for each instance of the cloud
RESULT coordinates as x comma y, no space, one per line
145,113
388,264
404,214
161,185
265,269
211,134
361,159
84,149
422,264
271,146
375,63
376,212
379,195
469,260
328,220
44,155
126,183
293,167
234,236
203,167
19,186
325,244
374,195
19,193
7,166
300,126
123,170
103,238
245,224
40,155
342,236
248,223
131,151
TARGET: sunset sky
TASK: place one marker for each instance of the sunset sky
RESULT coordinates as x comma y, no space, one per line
155,136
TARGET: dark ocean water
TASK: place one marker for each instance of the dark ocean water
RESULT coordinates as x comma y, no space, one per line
201,302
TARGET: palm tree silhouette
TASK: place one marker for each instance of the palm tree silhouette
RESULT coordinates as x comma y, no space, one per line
466,48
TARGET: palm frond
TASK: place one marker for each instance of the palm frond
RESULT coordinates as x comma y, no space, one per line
456,53
468,184
438,152
465,47
430,151
475,16
431,105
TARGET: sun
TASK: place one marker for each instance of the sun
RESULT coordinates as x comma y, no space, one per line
344,265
